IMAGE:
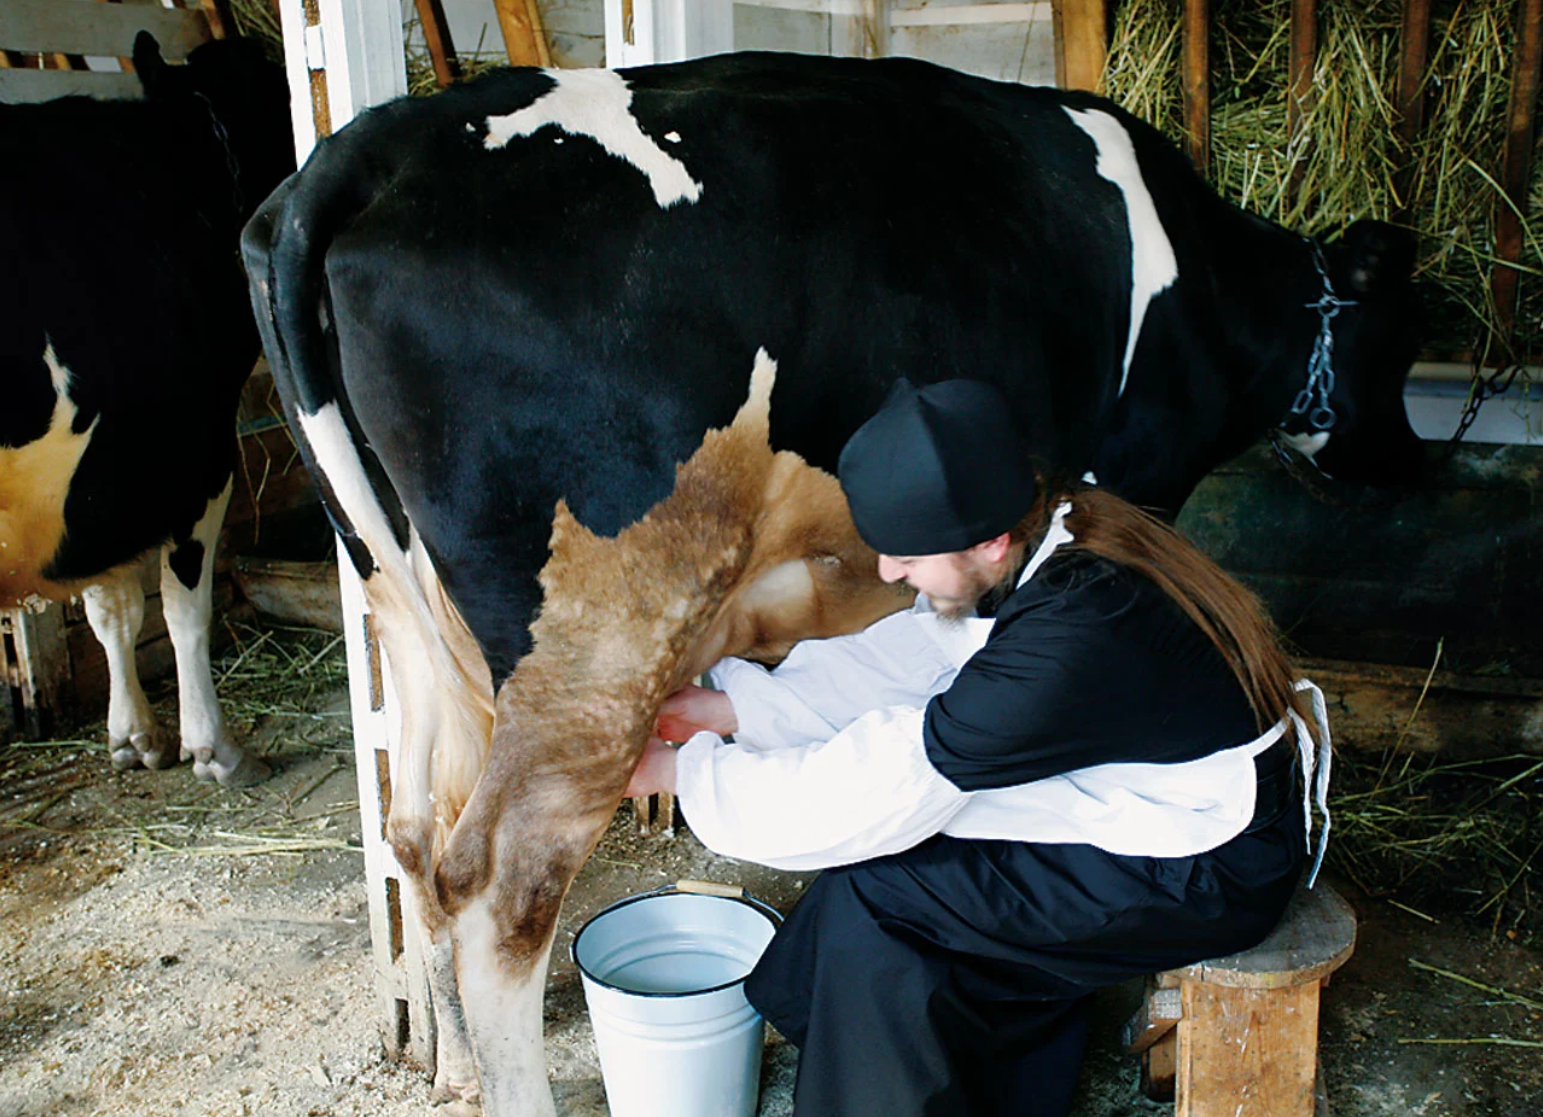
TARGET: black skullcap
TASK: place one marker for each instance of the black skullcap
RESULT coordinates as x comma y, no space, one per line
937,469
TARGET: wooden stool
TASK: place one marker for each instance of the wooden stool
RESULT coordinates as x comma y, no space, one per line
1246,1044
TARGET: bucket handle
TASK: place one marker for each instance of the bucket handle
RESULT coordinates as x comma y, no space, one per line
710,888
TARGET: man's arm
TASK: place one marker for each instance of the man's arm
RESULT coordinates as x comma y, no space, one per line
825,685
868,791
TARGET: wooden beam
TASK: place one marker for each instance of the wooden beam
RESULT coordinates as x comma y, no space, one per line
1414,55
1517,163
105,30
1081,42
524,36
222,24
321,106
1304,56
436,36
1197,82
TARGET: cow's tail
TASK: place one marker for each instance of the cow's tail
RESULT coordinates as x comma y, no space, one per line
284,247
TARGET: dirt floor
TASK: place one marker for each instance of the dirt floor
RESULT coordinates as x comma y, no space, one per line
171,948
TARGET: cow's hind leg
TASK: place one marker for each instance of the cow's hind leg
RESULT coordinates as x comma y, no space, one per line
514,852
187,596
115,609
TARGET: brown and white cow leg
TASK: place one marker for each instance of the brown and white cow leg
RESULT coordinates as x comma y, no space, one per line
434,720
187,598
513,855
115,608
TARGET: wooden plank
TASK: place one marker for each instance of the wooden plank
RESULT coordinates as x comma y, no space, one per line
37,666
106,30
1414,54
1160,1010
1303,58
436,36
1247,1052
45,85
524,37
294,592
1197,82
1081,42
1313,939
1516,173
1460,716
1160,1067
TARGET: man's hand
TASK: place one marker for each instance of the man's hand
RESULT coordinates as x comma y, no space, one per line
655,771
691,709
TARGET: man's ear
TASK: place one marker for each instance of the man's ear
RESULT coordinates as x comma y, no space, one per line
993,550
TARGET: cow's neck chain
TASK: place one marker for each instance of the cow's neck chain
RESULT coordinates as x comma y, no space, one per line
1312,401
237,198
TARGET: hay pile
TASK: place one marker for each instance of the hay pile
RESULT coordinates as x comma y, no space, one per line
1437,837
1348,158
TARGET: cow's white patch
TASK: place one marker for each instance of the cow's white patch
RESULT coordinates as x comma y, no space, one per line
1308,445
597,104
673,137
1153,266
503,1013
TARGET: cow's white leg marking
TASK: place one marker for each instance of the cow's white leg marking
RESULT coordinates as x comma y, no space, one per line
438,729
188,615
503,1012
1153,266
115,608
597,104
1308,445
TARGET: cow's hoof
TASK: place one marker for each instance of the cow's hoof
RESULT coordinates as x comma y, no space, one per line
246,771
465,1096
139,750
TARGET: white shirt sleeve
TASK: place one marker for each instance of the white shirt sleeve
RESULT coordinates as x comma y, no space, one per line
867,791
825,685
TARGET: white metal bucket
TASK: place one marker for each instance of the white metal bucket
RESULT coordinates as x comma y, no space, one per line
664,975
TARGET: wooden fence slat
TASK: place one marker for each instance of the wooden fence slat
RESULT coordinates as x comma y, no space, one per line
1081,42
1304,56
1197,81
524,36
1414,54
436,36
44,85
105,30
1517,161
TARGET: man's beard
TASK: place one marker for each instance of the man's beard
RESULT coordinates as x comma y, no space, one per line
983,595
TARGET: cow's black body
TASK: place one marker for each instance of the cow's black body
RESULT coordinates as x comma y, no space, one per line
514,326
125,336
122,222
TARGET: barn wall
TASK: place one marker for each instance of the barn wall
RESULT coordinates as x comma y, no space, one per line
1012,50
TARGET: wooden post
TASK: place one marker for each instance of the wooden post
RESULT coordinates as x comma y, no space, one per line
1197,81
436,36
35,666
1304,56
1081,42
1414,53
524,36
1516,164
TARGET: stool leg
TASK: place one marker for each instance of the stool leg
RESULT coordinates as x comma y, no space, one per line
1247,1052
1159,1065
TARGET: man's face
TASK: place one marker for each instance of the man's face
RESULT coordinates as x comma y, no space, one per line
953,582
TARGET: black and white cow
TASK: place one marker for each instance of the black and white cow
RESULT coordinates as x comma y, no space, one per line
125,336
502,320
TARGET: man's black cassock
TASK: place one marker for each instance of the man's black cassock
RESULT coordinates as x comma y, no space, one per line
951,978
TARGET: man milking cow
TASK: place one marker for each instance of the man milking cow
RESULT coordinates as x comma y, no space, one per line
1072,762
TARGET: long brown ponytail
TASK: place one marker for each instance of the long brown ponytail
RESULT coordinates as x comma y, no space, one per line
1226,611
